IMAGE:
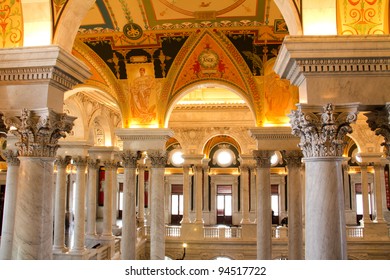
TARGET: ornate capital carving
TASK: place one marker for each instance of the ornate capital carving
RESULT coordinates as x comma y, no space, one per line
293,158
93,164
158,158
130,158
11,157
379,122
110,165
322,129
62,162
263,158
38,131
80,161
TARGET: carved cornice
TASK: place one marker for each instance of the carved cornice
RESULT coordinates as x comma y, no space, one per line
38,131
158,158
379,122
301,56
322,129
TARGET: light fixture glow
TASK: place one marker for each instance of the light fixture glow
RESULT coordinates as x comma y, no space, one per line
177,158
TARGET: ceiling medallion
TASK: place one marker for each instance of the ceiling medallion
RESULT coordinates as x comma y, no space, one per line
132,31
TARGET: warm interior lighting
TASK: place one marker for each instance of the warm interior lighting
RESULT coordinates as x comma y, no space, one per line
319,17
177,158
224,158
184,245
37,26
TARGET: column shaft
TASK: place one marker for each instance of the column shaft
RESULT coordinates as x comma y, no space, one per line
379,184
93,166
107,208
264,211
366,207
186,194
11,189
198,194
141,195
60,204
157,226
79,218
244,177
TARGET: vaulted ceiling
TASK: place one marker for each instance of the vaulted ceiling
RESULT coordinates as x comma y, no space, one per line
140,31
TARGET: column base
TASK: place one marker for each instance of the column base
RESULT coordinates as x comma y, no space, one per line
60,250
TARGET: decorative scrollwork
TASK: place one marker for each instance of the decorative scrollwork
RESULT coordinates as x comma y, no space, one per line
38,131
322,132
379,122
158,158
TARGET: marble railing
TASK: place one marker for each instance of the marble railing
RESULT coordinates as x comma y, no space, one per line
355,232
222,232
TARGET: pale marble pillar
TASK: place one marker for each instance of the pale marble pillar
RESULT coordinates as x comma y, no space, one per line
11,190
107,204
115,189
322,131
60,204
198,194
79,215
158,160
264,211
294,197
93,166
206,187
38,132
347,191
366,207
379,168
129,218
253,196
186,194
141,195
244,177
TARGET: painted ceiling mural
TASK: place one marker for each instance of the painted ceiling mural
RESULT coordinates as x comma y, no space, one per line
11,23
150,35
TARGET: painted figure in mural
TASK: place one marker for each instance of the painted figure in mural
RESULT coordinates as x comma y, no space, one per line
142,89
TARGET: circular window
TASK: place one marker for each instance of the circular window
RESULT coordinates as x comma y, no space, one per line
177,157
224,157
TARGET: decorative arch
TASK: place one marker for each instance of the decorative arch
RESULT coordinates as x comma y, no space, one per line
291,14
195,85
68,21
205,58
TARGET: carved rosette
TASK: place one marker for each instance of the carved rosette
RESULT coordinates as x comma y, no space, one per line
62,162
38,131
322,132
379,122
158,158
263,158
293,158
11,157
130,158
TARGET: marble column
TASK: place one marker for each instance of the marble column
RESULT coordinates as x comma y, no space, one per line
347,191
364,185
114,196
129,217
158,160
379,168
186,194
107,203
38,132
93,166
11,190
60,204
198,193
206,187
264,211
79,215
141,195
322,131
294,197
244,177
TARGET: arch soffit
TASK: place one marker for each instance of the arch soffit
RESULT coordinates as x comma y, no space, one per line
291,15
198,84
178,81
68,22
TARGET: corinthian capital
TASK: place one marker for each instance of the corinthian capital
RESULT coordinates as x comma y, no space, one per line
38,131
322,129
158,158
130,158
379,122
